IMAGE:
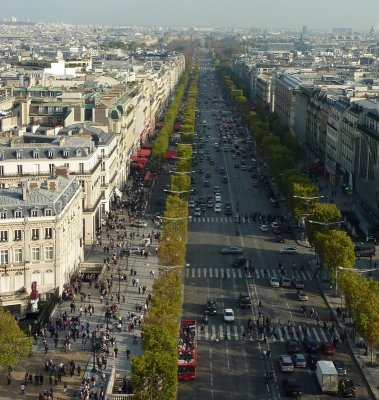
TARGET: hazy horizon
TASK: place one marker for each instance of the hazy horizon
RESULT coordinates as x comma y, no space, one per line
292,14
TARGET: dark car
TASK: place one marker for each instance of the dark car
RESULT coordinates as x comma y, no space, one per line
244,301
311,344
347,388
292,387
340,367
228,210
328,349
211,307
293,347
312,361
224,179
239,262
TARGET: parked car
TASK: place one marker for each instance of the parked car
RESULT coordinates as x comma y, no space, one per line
285,282
224,179
217,208
263,228
302,295
311,344
328,349
298,284
197,212
228,315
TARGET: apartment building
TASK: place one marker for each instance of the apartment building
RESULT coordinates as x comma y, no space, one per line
37,221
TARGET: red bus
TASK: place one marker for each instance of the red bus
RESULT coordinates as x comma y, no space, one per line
187,351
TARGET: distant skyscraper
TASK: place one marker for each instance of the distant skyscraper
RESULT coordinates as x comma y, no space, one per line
305,29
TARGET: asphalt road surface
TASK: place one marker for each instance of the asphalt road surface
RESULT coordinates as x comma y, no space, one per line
235,368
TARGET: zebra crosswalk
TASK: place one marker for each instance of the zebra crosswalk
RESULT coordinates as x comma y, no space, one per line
211,219
209,272
282,334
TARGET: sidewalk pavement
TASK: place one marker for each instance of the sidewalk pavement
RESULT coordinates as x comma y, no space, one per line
81,354
354,342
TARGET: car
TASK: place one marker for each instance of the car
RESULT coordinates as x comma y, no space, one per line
239,262
191,204
217,208
243,167
197,212
340,367
285,282
311,344
206,184
274,282
312,361
244,301
135,250
280,239
275,225
218,198
288,250
285,363
221,170
347,388
216,189
293,346
231,250
207,174
225,148
211,162
211,307
291,387
299,360
263,228
302,295
139,223
298,284
255,183
200,171
276,230
228,315
228,210
234,156
224,179
328,349
236,165
193,180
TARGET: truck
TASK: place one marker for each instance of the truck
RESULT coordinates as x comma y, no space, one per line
327,376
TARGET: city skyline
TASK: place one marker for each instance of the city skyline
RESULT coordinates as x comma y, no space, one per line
212,13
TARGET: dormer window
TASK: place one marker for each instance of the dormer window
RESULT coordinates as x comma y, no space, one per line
48,212
34,213
35,153
3,214
50,153
65,153
1,155
18,214
19,154
78,153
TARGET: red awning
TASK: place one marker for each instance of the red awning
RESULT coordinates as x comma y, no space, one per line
170,154
143,153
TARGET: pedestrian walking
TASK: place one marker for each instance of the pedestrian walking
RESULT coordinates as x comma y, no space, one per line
127,352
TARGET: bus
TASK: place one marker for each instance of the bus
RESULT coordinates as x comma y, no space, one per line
187,350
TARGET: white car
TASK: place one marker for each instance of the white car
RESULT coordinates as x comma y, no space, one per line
274,282
288,250
274,225
299,360
285,363
218,199
263,228
217,208
197,212
228,315
191,204
286,282
140,224
135,250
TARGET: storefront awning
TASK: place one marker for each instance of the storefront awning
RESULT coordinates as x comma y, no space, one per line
143,153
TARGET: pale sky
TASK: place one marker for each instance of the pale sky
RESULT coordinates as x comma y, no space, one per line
293,14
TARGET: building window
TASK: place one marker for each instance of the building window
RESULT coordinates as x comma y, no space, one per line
3,236
36,277
1,155
51,168
3,215
81,168
49,253
18,214
36,254
19,155
17,234
1,170
50,153
34,213
49,277
48,233
48,212
35,154
65,153
35,234
4,257
19,169
18,256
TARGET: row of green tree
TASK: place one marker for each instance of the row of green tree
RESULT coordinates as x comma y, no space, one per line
154,373
334,247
